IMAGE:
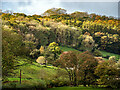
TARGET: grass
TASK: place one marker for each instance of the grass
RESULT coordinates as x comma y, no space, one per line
104,53
15,79
79,88
33,75
64,48
33,71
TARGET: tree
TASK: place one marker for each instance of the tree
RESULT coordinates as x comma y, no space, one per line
30,45
42,50
108,73
35,53
8,11
79,14
69,61
53,47
54,11
87,42
49,56
11,47
113,58
41,35
118,64
19,14
80,67
87,65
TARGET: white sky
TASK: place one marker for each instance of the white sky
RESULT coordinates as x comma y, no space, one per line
39,6
62,0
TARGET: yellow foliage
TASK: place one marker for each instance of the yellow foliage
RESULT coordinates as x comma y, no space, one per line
42,50
40,59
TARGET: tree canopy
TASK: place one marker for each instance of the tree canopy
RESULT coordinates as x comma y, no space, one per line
54,11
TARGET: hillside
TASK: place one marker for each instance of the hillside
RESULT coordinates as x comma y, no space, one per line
34,75
64,29
76,49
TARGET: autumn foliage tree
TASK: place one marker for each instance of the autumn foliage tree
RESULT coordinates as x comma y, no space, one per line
87,42
54,48
80,67
87,66
69,61
42,50
54,11
11,47
108,74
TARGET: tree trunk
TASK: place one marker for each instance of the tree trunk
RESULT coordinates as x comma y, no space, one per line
84,84
75,78
84,81
70,76
54,56
20,76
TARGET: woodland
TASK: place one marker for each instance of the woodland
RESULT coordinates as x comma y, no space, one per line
56,49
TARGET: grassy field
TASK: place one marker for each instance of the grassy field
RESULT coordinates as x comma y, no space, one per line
67,49
104,53
79,88
33,71
110,54
33,75
36,75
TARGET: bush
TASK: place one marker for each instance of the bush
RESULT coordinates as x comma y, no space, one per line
41,60
114,83
58,83
113,58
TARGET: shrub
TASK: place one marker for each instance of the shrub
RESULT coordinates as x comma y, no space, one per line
41,60
58,83
112,58
114,83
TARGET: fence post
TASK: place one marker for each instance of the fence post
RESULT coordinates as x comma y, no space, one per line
20,76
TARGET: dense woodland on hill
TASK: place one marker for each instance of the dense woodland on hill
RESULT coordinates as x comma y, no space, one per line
33,36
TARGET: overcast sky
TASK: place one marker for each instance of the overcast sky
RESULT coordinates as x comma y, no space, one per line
30,7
